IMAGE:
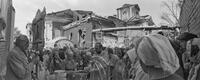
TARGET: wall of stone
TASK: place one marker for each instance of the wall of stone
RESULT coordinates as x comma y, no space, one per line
73,34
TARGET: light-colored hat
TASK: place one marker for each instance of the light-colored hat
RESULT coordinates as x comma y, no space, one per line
156,51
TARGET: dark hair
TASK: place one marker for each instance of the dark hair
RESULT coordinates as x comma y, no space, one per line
161,33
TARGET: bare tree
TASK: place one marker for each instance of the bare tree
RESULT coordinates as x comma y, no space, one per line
173,11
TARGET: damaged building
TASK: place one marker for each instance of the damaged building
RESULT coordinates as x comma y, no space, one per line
81,27
128,16
80,32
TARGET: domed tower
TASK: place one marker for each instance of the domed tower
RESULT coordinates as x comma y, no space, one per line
127,11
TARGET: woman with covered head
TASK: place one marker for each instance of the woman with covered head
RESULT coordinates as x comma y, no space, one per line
157,59
18,66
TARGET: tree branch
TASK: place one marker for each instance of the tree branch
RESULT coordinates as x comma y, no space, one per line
173,10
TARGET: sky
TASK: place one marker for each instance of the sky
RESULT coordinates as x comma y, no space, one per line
26,9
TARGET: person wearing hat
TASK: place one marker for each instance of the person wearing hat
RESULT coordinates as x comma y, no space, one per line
18,66
184,41
184,38
191,57
158,59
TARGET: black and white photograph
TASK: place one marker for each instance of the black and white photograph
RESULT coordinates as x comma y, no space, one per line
99,39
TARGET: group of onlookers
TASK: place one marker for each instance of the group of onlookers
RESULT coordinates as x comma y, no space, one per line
157,57
149,57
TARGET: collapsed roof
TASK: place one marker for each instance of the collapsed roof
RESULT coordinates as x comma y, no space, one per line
133,21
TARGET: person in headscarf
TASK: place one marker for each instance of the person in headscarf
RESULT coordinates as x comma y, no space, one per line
18,66
158,58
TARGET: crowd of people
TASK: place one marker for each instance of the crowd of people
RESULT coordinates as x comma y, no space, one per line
149,57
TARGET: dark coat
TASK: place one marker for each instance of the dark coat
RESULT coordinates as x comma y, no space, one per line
18,67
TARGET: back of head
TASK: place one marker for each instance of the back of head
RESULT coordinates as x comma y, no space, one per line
21,39
22,42
155,50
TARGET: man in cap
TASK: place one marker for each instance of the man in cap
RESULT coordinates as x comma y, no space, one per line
18,66
184,38
184,42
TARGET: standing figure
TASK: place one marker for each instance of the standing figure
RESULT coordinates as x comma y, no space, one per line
18,66
99,64
158,59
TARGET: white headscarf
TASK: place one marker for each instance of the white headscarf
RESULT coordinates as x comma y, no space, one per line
156,51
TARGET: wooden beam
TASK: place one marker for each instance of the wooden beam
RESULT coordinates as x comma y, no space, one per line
134,28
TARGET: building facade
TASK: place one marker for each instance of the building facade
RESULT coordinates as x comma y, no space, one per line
127,11
29,34
80,35
48,30
128,16
54,22
80,32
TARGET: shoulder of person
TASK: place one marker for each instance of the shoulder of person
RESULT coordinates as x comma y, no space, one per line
13,52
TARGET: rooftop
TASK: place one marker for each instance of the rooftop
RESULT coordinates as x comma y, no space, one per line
140,20
132,21
129,5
